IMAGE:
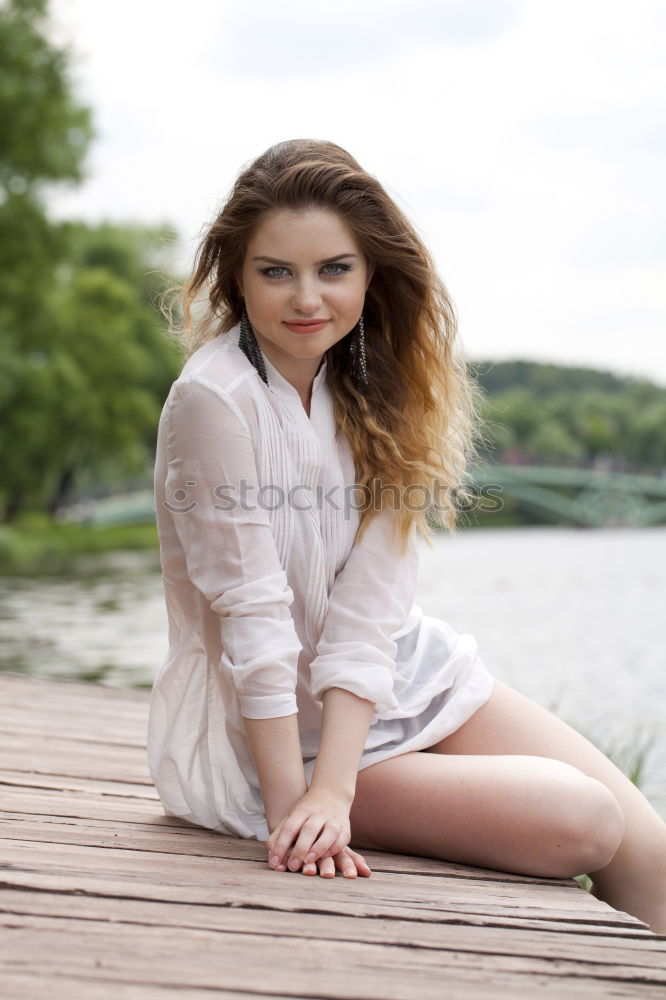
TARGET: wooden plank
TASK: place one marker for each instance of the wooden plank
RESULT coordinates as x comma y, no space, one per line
223,882
624,935
109,806
79,707
349,969
30,985
554,941
108,711
27,780
184,839
40,723
37,744
101,833
106,703
353,905
17,687
57,755
201,864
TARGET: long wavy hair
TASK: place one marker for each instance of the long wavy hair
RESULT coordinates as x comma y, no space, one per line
414,432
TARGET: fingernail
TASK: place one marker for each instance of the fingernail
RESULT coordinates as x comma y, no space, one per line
294,864
274,861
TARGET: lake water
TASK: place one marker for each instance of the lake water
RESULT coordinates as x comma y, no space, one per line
576,619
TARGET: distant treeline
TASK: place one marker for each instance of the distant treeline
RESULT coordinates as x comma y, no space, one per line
560,415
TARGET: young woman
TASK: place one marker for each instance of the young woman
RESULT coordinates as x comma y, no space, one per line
319,428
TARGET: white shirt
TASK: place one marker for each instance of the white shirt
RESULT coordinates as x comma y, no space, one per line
270,602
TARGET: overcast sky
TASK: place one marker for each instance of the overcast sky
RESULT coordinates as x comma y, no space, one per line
525,138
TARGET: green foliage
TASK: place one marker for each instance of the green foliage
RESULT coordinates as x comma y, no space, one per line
84,363
36,545
558,415
631,755
545,379
554,443
44,131
87,382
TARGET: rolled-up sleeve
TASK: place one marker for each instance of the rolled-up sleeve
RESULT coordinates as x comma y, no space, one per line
369,602
228,544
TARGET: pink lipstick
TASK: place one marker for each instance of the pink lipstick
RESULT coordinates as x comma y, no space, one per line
307,326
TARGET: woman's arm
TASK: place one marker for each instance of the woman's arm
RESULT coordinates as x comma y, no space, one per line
276,751
369,602
352,673
321,814
345,724
228,545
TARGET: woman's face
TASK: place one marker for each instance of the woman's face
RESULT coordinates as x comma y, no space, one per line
304,279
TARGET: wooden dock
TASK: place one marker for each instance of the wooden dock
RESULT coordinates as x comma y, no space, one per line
102,896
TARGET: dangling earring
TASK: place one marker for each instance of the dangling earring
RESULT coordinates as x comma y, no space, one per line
249,346
357,362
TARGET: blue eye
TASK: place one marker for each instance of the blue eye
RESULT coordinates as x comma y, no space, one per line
340,268
270,271
278,271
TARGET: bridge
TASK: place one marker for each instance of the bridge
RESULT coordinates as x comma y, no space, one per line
583,497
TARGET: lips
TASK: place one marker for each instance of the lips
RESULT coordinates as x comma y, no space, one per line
306,326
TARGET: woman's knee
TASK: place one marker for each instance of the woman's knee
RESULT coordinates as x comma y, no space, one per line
589,826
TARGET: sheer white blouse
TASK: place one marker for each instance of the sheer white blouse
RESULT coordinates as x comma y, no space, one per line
269,600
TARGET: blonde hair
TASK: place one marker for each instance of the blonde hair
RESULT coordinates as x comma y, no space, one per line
418,424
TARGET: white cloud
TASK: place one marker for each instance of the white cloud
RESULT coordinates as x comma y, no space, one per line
304,39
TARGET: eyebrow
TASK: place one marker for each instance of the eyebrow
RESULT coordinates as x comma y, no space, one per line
286,263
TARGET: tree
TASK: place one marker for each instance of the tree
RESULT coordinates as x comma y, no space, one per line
555,413
552,443
44,131
84,366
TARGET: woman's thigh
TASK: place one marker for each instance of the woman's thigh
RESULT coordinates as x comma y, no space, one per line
511,723
514,789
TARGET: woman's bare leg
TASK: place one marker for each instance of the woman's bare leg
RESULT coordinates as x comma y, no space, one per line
518,790
635,880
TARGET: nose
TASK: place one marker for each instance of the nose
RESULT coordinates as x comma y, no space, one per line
306,296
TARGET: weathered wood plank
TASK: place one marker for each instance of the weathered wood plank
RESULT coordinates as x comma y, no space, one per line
554,941
108,806
30,985
352,969
58,755
224,882
21,687
27,781
116,730
263,920
101,833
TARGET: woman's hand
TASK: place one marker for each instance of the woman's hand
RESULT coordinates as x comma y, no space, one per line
349,862
315,831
